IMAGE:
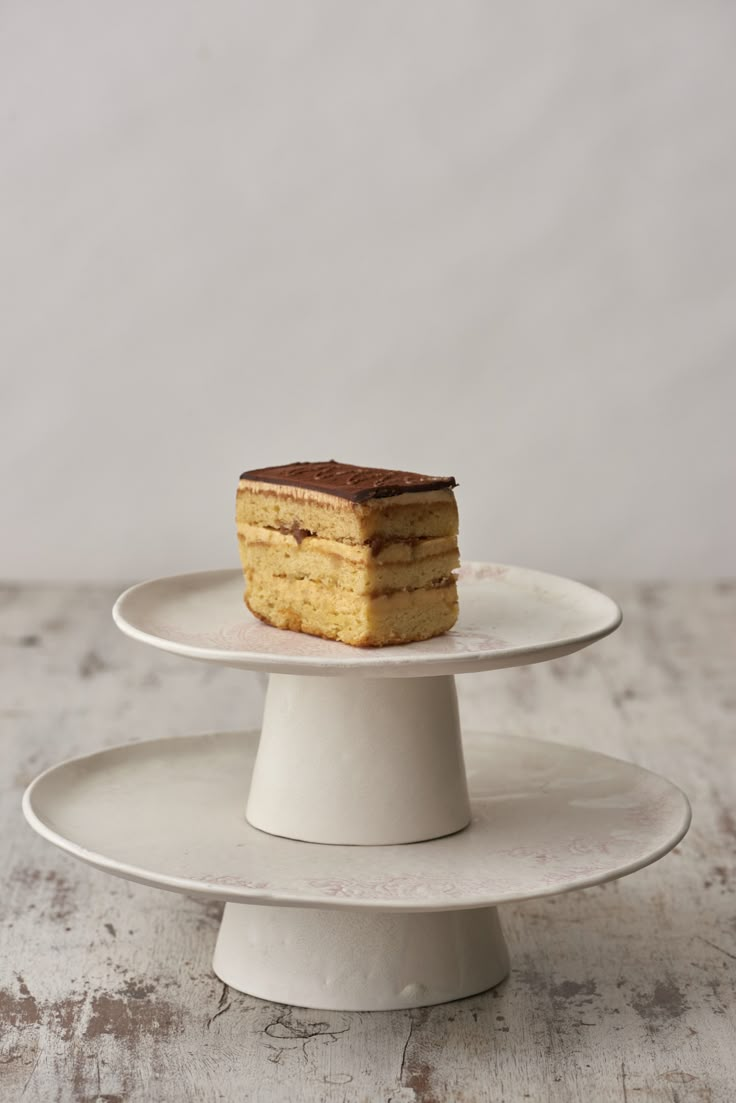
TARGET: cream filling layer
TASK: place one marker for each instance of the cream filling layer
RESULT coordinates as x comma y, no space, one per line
333,501
391,549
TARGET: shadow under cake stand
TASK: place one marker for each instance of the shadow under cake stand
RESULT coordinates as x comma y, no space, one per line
362,847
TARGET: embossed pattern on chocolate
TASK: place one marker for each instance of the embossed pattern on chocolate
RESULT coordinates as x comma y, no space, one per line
345,480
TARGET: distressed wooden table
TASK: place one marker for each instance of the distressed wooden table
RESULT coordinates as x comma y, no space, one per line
621,992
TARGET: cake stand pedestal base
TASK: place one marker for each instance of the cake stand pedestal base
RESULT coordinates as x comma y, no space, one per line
350,960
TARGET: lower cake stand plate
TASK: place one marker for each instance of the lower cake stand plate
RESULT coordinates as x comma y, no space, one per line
358,927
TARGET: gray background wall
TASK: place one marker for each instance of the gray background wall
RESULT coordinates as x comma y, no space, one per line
491,240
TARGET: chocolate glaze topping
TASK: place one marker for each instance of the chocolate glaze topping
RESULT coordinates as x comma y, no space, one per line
344,480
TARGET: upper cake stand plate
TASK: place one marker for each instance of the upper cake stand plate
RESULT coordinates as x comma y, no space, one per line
382,735
509,616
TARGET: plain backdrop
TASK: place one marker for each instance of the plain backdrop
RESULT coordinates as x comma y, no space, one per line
490,240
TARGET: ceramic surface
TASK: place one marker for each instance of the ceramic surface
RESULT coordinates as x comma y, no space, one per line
359,961
371,761
508,616
546,819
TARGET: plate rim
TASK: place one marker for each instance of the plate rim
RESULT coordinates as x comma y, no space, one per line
242,895
374,662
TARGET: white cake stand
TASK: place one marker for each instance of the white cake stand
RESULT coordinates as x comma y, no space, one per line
369,754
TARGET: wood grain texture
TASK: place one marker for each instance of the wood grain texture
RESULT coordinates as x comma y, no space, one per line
621,992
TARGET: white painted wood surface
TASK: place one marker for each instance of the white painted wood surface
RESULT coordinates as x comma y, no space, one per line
623,992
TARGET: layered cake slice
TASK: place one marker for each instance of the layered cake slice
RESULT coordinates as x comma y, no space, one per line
357,554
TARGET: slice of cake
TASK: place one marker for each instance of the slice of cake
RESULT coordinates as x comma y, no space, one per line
357,554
